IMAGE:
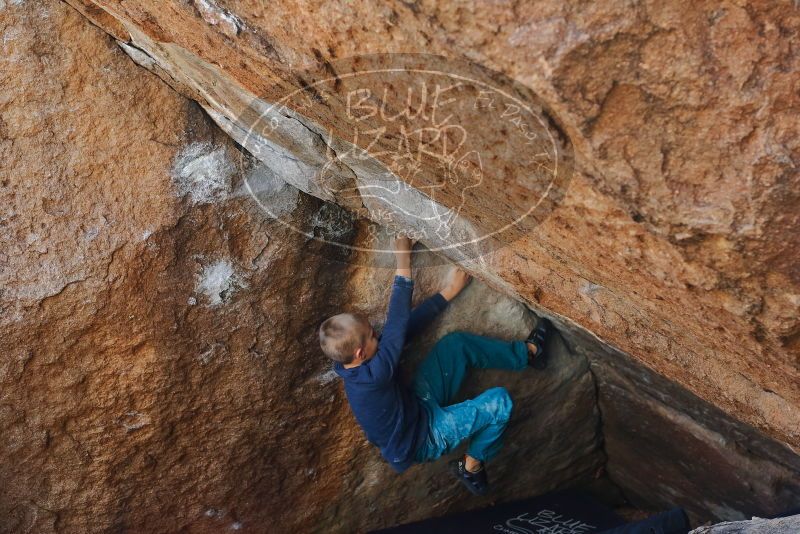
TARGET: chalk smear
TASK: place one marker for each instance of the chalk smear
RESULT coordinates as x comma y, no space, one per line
219,281
203,172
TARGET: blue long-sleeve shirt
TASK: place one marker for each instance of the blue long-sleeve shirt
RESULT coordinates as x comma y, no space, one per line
388,412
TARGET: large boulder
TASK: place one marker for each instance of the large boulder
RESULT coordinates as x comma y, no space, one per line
676,238
666,447
161,287
161,296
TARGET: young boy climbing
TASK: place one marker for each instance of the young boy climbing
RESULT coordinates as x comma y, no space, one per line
420,424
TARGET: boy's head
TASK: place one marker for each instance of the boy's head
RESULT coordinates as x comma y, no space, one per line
348,338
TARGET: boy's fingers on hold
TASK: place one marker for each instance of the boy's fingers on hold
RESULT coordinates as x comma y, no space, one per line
458,271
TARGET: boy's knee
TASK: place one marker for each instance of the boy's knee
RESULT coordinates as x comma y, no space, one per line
501,403
452,339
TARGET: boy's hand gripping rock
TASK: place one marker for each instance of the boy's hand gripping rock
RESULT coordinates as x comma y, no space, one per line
456,281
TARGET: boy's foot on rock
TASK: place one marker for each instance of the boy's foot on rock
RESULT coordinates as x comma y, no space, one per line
477,483
537,344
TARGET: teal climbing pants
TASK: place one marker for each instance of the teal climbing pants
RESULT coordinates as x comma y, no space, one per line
482,419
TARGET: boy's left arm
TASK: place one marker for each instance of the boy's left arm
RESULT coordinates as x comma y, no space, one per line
426,312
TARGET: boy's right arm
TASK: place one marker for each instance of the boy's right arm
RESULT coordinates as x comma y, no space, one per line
387,359
393,337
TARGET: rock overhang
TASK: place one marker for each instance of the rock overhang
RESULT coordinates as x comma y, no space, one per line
654,298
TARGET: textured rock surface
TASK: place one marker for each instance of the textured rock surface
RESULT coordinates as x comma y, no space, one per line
677,240
665,446
159,366
160,369
535,455
133,390
783,525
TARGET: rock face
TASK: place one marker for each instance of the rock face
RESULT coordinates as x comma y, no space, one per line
161,287
676,241
783,525
665,446
535,454
160,368
130,324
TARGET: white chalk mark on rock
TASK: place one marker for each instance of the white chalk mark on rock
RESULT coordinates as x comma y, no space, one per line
203,172
327,377
133,421
219,17
211,353
219,282
5,3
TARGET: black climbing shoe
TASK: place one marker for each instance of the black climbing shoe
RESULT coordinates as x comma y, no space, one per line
539,337
476,483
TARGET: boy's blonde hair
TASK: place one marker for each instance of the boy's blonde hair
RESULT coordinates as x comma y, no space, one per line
341,335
